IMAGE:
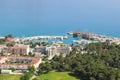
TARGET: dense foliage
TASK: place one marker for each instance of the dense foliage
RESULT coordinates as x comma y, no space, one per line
2,41
9,36
34,44
101,62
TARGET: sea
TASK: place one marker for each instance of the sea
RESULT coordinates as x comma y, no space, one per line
25,18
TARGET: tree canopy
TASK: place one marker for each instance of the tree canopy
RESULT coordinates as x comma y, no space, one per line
101,62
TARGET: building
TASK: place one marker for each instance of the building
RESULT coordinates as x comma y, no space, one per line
51,51
64,49
6,71
2,37
2,60
19,49
57,50
19,63
13,39
40,49
1,48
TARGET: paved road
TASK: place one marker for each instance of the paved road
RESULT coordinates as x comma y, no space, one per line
33,77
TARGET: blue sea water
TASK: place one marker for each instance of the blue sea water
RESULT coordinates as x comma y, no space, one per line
57,17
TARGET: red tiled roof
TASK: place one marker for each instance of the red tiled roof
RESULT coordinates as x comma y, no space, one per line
34,60
10,39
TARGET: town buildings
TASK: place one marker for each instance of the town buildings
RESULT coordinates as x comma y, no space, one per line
6,71
19,49
18,54
19,63
57,49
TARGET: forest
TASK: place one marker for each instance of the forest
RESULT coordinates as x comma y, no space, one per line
101,62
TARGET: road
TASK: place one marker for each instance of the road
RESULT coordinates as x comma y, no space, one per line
33,77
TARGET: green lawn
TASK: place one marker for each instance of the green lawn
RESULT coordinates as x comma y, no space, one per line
9,77
56,76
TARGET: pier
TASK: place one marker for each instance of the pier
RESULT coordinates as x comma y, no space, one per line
43,37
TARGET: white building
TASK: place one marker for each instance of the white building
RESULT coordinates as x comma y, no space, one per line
51,51
57,50
22,62
6,71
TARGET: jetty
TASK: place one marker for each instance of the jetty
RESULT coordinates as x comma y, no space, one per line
43,37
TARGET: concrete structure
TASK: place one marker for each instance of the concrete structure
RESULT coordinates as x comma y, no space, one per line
51,51
94,37
64,49
83,42
43,37
6,71
2,60
56,49
19,62
19,49
40,49
2,37
1,48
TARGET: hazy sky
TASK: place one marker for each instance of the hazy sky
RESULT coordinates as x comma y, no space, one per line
34,16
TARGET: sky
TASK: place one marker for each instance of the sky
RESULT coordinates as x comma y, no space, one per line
48,17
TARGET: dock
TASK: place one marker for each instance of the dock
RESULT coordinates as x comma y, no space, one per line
44,37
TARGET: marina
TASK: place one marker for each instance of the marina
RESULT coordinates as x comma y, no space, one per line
43,37
73,37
